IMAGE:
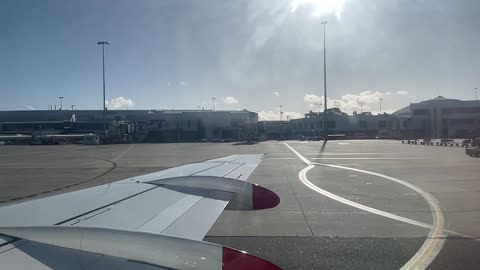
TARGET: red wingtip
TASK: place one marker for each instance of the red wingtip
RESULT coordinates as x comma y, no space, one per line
264,198
238,260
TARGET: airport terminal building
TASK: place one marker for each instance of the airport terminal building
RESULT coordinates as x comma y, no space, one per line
438,118
432,119
134,125
358,125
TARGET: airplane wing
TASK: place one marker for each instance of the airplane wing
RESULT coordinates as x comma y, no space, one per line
153,221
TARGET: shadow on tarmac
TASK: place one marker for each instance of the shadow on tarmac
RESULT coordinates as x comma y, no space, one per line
245,143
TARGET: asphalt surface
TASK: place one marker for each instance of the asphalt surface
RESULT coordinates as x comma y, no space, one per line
307,230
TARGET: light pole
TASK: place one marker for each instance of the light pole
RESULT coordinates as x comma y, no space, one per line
61,103
213,100
71,106
325,80
103,43
280,111
380,99
361,108
475,92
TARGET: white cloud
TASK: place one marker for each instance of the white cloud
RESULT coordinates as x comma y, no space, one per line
277,94
312,100
29,107
319,8
183,83
230,100
398,93
347,103
275,115
119,103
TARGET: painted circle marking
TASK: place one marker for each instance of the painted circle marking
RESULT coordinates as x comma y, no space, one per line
435,240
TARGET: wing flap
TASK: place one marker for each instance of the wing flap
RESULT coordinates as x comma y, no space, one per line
202,216
135,212
165,218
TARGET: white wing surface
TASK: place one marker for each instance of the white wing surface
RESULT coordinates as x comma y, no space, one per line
153,221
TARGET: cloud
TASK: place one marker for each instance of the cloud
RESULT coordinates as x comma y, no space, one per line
312,99
183,84
230,100
29,107
277,94
275,115
119,103
398,93
347,103
319,8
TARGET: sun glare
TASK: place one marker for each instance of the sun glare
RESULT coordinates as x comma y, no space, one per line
320,7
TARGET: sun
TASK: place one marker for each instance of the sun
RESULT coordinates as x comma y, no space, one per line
319,7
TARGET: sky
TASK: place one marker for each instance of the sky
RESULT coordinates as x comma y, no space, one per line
256,55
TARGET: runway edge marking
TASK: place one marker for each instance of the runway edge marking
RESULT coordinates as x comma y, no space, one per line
435,240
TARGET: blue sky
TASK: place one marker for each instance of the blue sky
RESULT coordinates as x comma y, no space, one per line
178,54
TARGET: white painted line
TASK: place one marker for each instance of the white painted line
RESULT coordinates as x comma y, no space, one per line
353,154
280,158
435,240
360,140
365,158
304,159
302,175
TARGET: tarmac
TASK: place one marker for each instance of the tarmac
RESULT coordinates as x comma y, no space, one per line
356,204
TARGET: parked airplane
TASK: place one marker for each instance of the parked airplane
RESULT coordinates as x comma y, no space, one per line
154,221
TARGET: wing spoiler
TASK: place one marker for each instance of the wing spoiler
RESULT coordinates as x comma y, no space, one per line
156,249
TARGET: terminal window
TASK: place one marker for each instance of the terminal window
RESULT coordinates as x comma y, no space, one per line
382,124
420,112
464,110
